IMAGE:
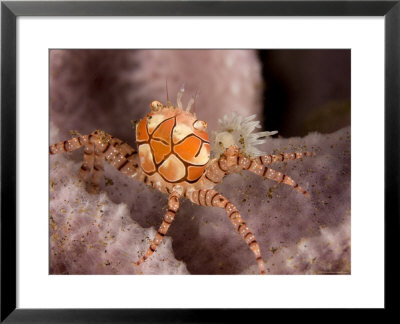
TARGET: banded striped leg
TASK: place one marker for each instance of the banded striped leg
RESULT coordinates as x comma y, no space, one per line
213,199
87,163
283,178
233,161
89,156
273,158
254,166
98,147
122,157
98,170
173,206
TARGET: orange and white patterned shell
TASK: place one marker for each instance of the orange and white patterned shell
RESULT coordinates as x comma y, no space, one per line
174,144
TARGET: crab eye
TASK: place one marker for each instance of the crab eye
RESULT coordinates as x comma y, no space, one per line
156,105
200,125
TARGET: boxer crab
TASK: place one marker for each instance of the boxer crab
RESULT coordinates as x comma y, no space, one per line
173,156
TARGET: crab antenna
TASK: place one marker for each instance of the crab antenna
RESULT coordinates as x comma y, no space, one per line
179,96
196,96
166,89
192,102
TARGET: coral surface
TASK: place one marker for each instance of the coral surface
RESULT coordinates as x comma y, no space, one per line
106,233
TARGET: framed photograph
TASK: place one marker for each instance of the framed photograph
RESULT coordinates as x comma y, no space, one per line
110,238
138,137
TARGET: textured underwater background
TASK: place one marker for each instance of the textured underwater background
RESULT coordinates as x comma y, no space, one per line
304,94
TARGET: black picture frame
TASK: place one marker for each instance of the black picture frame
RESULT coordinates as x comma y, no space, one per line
11,10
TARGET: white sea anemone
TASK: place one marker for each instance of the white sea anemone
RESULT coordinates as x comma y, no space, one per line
239,131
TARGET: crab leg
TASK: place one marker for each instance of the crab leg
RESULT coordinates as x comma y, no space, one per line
87,163
122,157
279,177
232,161
173,206
271,174
98,170
273,158
100,146
212,198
